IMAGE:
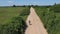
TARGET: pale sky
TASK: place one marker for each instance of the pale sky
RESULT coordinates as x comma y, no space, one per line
28,2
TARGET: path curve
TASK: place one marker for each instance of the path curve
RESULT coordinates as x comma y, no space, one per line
34,23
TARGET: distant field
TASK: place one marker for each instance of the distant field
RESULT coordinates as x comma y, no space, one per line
50,17
7,13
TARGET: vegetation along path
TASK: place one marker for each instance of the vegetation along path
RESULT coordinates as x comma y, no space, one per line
34,23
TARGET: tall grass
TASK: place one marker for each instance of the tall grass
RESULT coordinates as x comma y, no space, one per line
50,18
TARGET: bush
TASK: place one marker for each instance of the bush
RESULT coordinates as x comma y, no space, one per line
17,26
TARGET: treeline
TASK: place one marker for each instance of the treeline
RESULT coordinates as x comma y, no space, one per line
31,6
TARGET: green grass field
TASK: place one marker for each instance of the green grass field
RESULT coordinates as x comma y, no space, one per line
7,13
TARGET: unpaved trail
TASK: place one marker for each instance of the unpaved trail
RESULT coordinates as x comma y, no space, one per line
34,23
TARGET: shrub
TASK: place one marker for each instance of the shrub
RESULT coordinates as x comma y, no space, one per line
17,26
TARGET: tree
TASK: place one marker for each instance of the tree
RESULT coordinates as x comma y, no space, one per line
55,4
14,5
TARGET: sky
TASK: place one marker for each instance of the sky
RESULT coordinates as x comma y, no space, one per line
28,2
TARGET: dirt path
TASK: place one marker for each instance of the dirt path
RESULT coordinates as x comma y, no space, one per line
34,23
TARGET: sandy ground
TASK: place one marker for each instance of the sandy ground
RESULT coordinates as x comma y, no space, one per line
34,23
